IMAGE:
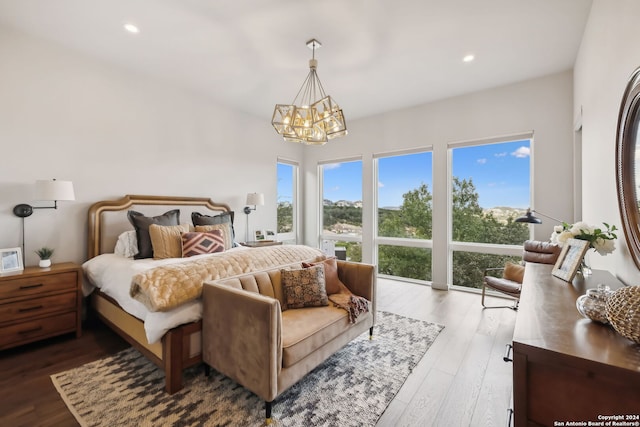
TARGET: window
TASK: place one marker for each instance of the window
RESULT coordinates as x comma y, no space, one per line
287,201
341,209
490,187
404,208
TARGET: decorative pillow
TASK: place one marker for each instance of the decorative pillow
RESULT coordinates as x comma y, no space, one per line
305,287
194,243
513,272
165,240
225,229
223,218
127,244
333,284
141,224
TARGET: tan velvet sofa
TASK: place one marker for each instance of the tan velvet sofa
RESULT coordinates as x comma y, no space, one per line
249,337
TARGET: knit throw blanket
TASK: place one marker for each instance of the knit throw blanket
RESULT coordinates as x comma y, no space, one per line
353,304
166,287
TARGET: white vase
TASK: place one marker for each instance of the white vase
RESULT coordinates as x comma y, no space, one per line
45,263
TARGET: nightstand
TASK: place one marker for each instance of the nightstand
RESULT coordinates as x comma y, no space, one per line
39,303
261,243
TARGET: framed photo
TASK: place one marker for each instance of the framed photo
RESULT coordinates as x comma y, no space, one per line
569,260
11,260
269,234
259,235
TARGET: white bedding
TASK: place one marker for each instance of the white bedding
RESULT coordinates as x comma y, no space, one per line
113,274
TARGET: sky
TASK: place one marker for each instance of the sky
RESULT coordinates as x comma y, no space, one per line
500,173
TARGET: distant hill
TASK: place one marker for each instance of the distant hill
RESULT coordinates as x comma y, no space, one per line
501,213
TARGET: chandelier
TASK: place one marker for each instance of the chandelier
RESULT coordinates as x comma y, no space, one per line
318,118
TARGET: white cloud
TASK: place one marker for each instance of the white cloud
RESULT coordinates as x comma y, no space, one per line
503,154
482,161
336,188
380,185
331,166
522,152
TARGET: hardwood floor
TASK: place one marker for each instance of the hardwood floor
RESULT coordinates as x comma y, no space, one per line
461,381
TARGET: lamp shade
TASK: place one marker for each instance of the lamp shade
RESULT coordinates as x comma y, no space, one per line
52,190
256,199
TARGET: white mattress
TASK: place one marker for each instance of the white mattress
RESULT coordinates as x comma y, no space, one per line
113,274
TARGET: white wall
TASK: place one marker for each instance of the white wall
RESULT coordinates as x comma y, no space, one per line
113,132
542,105
609,53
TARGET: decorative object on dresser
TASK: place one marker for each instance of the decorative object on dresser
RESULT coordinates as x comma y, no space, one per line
569,260
45,255
623,312
37,304
11,259
126,389
593,304
318,118
253,199
47,191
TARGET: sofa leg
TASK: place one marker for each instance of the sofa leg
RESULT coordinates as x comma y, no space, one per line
207,370
267,410
371,333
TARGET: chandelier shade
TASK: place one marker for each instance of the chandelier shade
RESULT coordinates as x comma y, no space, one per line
317,118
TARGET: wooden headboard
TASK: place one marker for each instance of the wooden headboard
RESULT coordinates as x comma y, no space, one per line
104,228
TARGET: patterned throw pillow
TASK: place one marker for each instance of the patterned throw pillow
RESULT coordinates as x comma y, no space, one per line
224,218
225,229
304,288
196,243
165,240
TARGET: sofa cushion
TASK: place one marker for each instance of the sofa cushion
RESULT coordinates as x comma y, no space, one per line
306,330
513,272
305,287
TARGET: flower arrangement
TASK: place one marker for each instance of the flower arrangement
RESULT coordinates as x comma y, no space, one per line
601,240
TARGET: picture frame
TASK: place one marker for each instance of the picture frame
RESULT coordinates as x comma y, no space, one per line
11,260
569,260
259,235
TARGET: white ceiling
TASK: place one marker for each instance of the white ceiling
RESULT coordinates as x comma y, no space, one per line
378,55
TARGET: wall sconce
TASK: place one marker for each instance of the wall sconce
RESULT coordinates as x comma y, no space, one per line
255,199
47,191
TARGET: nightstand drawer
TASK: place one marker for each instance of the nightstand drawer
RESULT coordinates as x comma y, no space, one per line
18,287
36,307
34,330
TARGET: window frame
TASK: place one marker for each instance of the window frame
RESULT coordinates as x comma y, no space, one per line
294,235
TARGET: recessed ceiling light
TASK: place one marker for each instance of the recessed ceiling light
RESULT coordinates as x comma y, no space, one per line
468,58
131,28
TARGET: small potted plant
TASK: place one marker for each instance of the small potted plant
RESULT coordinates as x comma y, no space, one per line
45,256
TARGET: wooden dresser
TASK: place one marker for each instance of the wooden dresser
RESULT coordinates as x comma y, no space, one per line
38,303
567,368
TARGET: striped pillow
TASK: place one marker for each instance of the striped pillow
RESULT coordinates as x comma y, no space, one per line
198,243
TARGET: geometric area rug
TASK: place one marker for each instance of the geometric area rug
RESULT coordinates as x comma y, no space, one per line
351,388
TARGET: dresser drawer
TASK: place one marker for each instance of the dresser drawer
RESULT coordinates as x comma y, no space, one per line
36,307
24,286
33,330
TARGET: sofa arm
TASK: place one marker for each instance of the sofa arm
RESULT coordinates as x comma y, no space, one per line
360,278
241,337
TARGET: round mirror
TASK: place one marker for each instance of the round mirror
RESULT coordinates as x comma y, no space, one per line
628,164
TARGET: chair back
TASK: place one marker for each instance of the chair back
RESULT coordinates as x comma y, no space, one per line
540,252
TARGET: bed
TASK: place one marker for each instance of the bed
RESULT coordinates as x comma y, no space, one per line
170,338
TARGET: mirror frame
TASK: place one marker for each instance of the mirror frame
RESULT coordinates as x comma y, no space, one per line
626,144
